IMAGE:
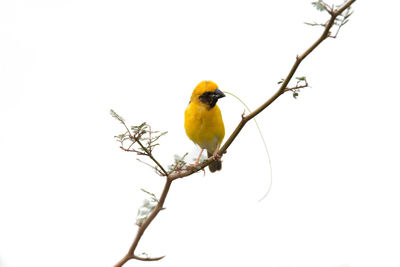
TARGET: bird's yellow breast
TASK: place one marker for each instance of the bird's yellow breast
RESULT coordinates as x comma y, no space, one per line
204,125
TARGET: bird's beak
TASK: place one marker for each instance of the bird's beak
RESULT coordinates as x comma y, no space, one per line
218,94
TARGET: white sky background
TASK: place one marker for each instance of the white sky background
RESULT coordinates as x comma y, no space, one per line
69,195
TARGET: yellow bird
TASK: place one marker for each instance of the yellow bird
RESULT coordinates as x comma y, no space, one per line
203,121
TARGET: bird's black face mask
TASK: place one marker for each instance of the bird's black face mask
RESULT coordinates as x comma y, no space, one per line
211,98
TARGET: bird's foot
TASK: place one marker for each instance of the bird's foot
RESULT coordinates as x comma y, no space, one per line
195,166
216,156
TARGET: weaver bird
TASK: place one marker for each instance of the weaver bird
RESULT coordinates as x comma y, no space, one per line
203,121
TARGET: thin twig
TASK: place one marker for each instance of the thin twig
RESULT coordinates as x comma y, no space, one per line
147,258
152,158
153,167
133,150
296,87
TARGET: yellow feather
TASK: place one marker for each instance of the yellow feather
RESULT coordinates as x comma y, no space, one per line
203,120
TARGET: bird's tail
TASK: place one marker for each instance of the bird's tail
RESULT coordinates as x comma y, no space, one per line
216,165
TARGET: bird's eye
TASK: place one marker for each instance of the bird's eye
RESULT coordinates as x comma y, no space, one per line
205,96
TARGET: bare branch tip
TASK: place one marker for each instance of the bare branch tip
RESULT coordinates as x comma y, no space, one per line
147,258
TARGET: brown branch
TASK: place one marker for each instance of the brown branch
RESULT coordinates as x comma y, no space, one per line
143,227
285,83
186,172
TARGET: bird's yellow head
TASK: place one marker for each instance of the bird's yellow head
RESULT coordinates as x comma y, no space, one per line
207,92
